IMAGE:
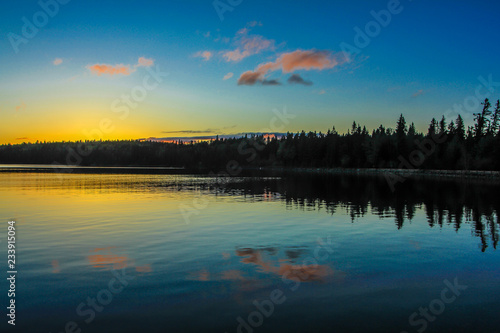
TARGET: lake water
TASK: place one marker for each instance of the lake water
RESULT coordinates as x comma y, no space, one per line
118,252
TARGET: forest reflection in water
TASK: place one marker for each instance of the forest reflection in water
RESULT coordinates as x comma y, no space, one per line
387,252
445,201
451,201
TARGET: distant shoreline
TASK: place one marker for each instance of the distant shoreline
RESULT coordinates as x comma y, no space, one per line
399,172
323,171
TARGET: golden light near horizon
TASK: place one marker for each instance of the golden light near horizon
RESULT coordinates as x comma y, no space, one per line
206,76
250,166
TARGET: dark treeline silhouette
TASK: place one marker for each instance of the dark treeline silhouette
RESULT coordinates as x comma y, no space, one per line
447,145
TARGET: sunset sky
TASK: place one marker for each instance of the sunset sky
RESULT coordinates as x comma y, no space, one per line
230,66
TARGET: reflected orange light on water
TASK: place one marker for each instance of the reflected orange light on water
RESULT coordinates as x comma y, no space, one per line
107,260
55,267
303,273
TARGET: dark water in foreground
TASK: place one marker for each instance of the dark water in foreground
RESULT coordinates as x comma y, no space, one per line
181,253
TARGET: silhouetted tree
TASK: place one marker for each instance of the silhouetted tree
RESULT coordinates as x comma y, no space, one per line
478,148
482,119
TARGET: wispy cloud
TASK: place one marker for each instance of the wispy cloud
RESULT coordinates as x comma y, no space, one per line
206,55
21,106
418,93
297,79
208,130
73,78
106,69
248,45
228,76
23,138
254,24
293,61
57,61
242,31
144,62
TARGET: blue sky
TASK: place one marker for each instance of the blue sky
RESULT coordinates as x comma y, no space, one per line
425,60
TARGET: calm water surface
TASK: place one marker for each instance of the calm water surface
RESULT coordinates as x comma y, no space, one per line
188,253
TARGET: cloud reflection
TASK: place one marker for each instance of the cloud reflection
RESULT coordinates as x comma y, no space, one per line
106,259
295,266
303,273
55,267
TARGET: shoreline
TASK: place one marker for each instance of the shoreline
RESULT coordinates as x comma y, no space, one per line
398,172
464,174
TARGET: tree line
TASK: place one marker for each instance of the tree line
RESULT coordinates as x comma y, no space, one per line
446,145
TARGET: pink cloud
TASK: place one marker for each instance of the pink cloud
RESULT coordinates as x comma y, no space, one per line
100,69
307,60
254,23
57,61
250,78
145,62
242,31
248,45
206,55
235,55
293,61
228,76
418,93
